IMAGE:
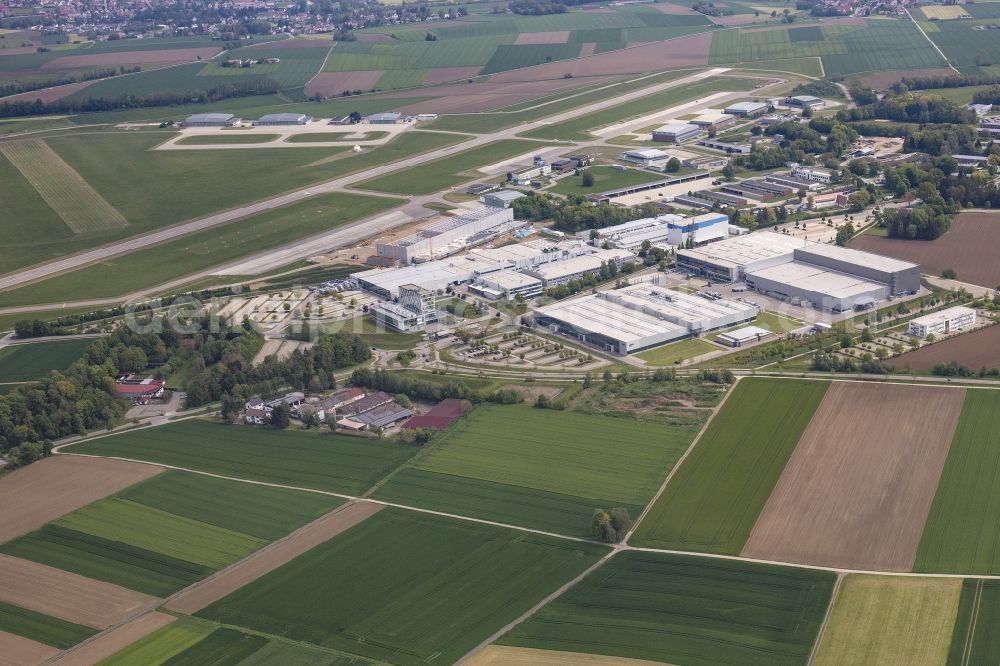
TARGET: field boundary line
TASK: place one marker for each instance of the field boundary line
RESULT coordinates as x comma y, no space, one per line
973,621
319,71
927,37
534,609
680,461
826,619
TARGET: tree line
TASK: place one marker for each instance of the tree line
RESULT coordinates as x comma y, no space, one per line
245,87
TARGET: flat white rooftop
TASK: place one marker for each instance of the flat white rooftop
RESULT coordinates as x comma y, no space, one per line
941,316
746,249
746,333
868,259
511,280
800,275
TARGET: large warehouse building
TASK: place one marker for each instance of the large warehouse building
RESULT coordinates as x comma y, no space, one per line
629,320
450,235
826,277
730,260
699,230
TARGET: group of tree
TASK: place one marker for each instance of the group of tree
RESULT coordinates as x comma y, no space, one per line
228,372
16,87
951,80
820,88
868,364
537,7
912,108
418,389
577,214
610,526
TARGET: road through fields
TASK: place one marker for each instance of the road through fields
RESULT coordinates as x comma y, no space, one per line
76,261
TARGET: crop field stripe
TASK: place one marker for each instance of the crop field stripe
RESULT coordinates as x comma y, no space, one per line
25,362
42,628
962,533
161,532
62,188
714,498
103,559
258,511
685,610
468,579
891,621
222,647
161,645
976,639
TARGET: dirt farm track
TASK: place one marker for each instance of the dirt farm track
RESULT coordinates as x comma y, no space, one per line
858,487
974,350
969,247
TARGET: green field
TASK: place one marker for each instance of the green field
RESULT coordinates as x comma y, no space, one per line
677,351
72,199
42,628
297,65
27,362
685,610
559,468
223,139
202,250
714,499
449,171
976,638
158,647
405,587
890,621
329,462
576,128
121,168
605,178
962,533
169,531
315,137
962,45
881,44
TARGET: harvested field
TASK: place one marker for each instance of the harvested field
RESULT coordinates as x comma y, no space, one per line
975,350
674,10
148,57
79,205
446,74
968,247
50,488
331,84
49,94
858,487
270,558
691,51
66,595
483,96
587,49
503,655
890,621
556,37
18,651
882,80
104,645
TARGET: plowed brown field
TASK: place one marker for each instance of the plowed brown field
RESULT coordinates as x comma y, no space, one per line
67,595
50,488
104,645
17,651
691,51
857,489
969,247
330,84
555,37
974,350
164,57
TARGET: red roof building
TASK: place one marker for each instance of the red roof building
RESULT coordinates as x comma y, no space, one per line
139,391
440,416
